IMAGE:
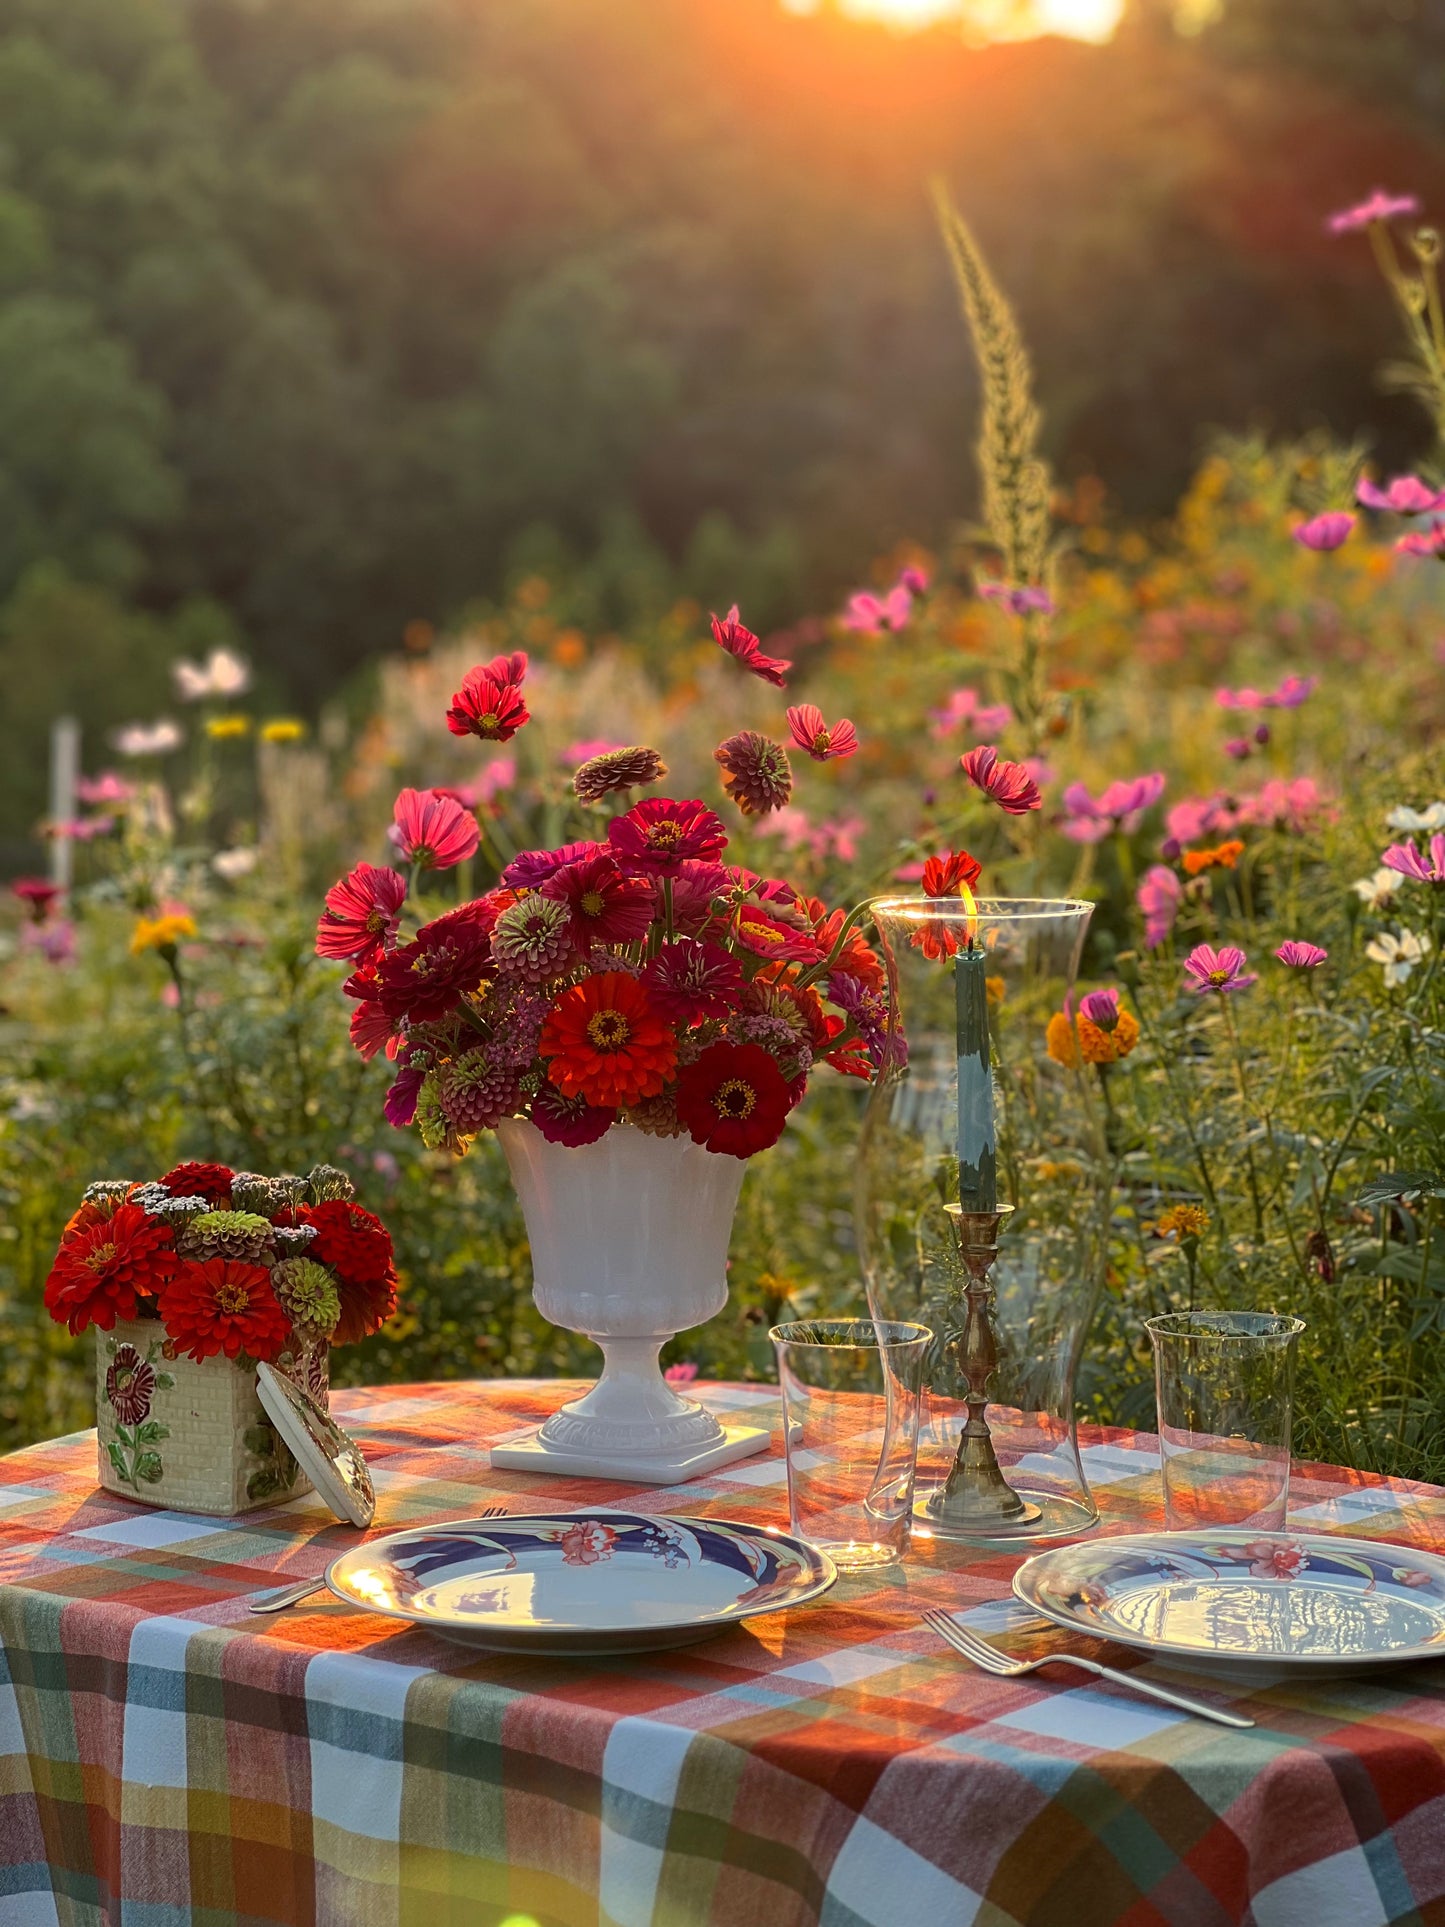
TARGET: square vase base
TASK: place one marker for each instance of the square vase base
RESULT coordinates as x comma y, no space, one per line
632,1468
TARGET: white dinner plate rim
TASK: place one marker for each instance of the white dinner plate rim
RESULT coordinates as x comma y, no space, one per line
536,1637
1231,1656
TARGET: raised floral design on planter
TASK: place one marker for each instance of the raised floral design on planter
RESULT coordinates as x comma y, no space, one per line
131,1382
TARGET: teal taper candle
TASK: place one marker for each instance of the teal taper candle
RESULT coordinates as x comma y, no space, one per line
977,1143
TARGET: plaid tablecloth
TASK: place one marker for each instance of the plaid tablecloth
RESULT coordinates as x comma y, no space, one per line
167,1760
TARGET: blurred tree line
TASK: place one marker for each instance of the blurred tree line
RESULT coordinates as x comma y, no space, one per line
321,316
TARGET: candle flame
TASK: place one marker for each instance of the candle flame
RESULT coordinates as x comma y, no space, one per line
970,904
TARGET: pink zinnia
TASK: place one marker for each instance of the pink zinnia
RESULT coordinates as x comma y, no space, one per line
1218,970
1301,956
1429,541
1404,495
1020,599
361,914
605,906
658,835
693,979
730,633
433,830
1158,897
1007,784
1325,531
1412,862
489,703
1378,206
533,867
811,733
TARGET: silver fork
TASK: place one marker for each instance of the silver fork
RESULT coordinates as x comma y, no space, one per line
275,1602
991,1660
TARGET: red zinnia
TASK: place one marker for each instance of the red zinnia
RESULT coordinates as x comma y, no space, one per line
426,978
730,633
734,1099
768,936
693,979
356,1247
489,703
360,917
531,869
857,958
946,875
102,1269
433,830
372,1030
606,907
659,835
811,733
223,1306
608,1042
1007,784
570,1120
694,889
209,1181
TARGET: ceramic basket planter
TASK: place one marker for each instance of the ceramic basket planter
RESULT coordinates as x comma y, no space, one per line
192,1436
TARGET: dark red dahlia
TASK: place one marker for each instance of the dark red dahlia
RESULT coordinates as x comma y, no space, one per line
424,979
102,1270
209,1181
357,1247
225,1306
733,1099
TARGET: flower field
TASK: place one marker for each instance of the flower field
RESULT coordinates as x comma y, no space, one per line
1224,730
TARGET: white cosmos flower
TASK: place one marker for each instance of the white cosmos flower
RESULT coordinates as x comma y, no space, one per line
1399,955
148,739
1404,818
222,674
232,864
1378,891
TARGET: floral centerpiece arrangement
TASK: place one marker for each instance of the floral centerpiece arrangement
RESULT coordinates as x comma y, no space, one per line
195,1279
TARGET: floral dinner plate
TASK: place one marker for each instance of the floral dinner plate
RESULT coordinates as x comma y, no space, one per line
581,1582
1243,1601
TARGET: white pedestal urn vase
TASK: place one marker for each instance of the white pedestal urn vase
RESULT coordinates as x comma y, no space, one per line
629,1240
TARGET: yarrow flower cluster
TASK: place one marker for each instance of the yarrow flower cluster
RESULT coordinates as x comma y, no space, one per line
218,1276
631,977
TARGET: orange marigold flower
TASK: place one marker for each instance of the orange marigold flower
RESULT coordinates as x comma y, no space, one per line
608,1042
1224,856
1061,1041
1069,1042
1182,1221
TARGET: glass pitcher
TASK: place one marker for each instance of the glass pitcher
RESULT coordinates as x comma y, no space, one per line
1020,1330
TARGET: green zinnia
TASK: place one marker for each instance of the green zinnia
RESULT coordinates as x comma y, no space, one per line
308,1294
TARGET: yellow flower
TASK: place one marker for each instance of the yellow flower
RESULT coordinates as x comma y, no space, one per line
161,933
283,729
995,991
1182,1221
1102,1046
223,729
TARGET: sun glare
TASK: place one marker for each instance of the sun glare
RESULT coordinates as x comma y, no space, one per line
986,19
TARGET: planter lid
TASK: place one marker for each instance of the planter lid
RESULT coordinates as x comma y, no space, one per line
329,1457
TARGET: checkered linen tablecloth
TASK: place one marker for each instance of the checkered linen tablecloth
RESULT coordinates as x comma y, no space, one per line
167,1760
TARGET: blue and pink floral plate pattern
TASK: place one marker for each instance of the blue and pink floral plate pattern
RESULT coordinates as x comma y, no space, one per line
1242,1600
581,1582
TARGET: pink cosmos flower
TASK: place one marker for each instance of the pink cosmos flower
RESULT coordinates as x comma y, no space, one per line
1378,206
1158,897
1295,805
693,979
576,754
497,777
811,733
105,789
1238,747
1293,691
361,914
1196,818
730,633
870,615
55,940
1219,970
433,830
1323,532
682,1373
1297,955
1403,495
1007,784
1412,862
1101,1007
1020,599
965,710
81,829
1120,806
1429,541
915,581
658,835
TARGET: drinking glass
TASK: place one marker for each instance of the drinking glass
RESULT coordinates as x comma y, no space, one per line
851,1399
1225,1386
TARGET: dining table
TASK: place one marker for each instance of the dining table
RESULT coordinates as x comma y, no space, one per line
170,1759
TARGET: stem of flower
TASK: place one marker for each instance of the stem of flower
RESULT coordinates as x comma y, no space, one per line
1249,1165
854,917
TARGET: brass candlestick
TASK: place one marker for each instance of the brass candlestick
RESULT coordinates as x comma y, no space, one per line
976,1501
